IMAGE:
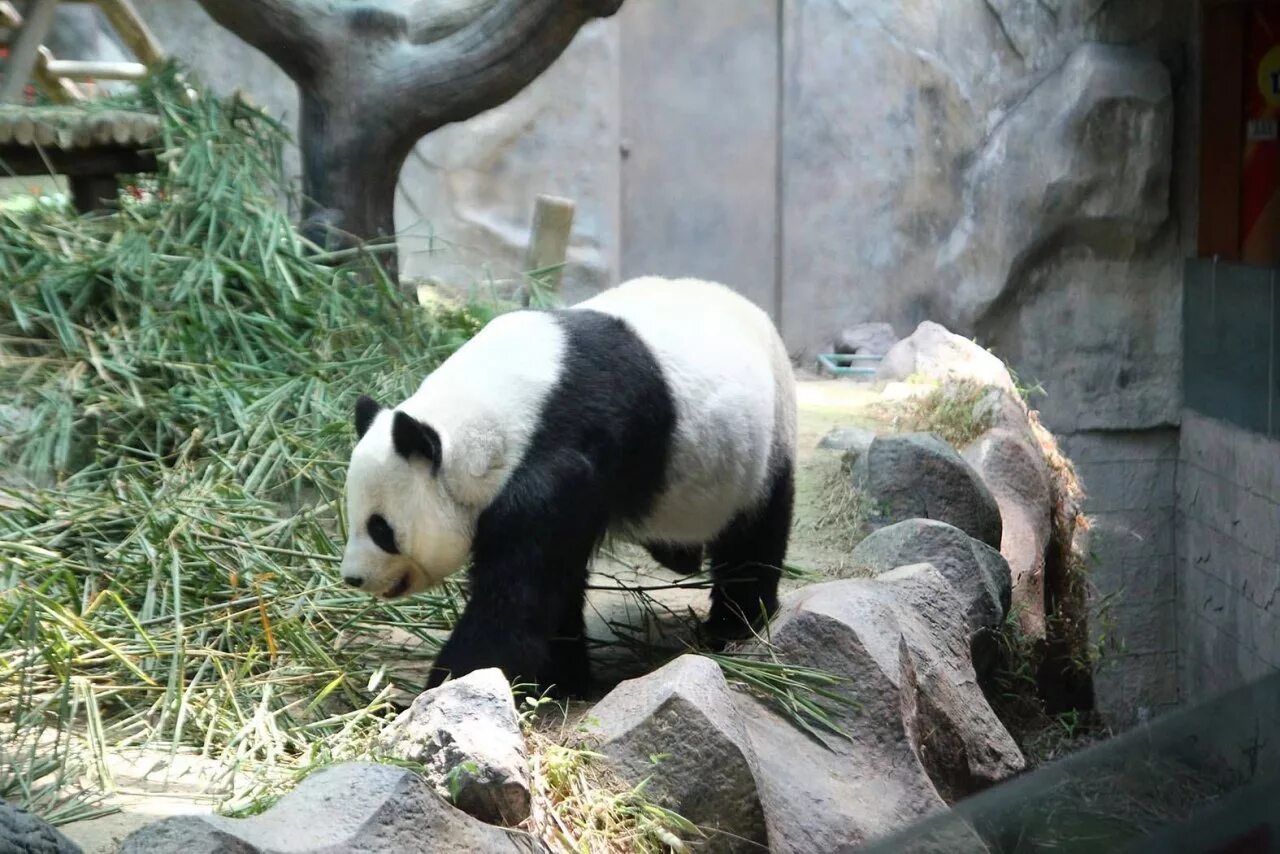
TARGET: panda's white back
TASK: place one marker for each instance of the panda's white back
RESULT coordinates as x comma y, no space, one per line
731,381
721,358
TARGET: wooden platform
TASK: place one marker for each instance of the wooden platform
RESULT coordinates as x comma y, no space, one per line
90,145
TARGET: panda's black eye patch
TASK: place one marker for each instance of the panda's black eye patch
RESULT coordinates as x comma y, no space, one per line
381,534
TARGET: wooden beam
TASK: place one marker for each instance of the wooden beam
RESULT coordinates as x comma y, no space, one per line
9,17
60,90
79,69
100,160
549,241
24,52
133,30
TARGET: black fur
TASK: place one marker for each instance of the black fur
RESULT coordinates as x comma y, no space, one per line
411,437
746,562
381,534
597,458
677,558
366,410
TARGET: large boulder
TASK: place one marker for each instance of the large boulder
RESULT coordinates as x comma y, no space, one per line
678,728
979,575
922,724
1015,470
356,806
836,793
919,476
21,832
932,352
467,735
962,742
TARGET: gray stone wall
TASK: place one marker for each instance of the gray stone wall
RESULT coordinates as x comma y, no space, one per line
1130,480
1000,168
1229,544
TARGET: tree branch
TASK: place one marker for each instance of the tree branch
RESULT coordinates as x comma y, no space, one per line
432,20
295,34
486,62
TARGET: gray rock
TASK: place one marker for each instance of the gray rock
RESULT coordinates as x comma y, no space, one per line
937,354
356,806
961,741
919,476
922,721
1015,470
684,714
978,574
854,439
867,339
837,793
467,734
21,832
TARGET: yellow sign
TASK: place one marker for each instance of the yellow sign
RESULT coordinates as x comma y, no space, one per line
1269,77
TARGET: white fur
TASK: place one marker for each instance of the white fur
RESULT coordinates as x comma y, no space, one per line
484,403
732,384
721,356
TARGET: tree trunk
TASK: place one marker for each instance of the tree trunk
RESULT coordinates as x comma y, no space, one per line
375,76
349,175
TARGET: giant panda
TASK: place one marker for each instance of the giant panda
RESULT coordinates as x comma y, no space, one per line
660,412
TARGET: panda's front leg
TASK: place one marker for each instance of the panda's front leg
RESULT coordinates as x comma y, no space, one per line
525,619
528,580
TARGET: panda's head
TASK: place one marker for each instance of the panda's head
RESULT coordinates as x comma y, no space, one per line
406,533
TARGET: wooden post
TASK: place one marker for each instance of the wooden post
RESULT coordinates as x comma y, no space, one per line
548,242
26,49
132,29
93,192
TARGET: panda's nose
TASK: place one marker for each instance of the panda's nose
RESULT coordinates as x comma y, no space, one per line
353,580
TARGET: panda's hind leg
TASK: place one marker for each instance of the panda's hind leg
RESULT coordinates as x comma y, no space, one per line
746,563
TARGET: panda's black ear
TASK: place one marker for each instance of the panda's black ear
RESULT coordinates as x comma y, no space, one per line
410,436
366,410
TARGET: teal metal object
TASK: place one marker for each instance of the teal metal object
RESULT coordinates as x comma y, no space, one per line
848,365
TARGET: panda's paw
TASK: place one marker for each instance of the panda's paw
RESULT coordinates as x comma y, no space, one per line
719,631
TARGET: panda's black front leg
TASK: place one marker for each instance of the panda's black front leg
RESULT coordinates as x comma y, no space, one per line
528,581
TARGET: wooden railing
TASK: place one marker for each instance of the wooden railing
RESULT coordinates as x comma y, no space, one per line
30,60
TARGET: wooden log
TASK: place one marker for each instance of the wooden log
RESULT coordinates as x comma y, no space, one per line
44,134
132,29
61,90
79,69
9,17
548,242
25,50
94,192
24,131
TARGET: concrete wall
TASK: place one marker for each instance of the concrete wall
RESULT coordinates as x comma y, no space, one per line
1130,480
1229,544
